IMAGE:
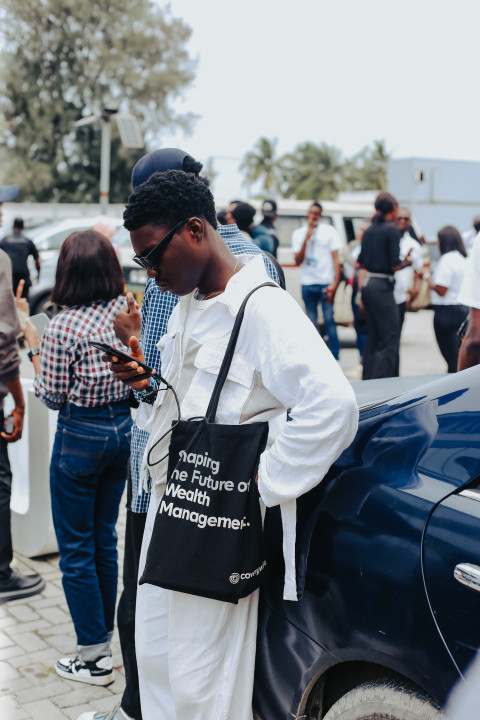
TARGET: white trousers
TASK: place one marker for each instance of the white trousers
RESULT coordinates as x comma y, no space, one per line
195,656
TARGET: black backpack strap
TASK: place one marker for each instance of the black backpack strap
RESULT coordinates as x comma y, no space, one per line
227,360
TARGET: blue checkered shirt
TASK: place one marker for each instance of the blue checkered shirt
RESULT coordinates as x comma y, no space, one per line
157,307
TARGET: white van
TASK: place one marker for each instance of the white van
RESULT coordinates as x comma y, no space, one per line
346,218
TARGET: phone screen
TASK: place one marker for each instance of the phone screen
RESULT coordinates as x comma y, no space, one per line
125,357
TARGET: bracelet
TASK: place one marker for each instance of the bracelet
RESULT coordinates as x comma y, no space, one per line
150,393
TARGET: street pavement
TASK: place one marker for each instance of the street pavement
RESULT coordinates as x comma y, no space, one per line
37,631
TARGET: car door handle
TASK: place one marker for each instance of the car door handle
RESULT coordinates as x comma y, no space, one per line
468,575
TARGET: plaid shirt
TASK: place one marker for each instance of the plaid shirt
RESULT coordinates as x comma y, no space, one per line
71,371
156,310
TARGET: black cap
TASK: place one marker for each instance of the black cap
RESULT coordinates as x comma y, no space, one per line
269,208
8,192
157,161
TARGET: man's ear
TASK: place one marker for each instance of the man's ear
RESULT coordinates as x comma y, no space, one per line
196,228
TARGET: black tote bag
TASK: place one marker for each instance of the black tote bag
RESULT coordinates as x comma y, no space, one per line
207,538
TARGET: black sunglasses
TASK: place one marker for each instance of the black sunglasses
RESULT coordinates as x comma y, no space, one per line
150,260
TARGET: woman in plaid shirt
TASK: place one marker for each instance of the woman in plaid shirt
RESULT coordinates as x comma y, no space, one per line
92,444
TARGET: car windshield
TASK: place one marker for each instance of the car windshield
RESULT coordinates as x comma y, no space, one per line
121,238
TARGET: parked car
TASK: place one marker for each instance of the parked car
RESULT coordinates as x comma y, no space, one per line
388,563
49,239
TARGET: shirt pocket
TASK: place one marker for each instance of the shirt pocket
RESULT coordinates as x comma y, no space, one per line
166,346
235,391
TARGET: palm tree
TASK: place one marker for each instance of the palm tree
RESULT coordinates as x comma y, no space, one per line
261,164
313,172
367,170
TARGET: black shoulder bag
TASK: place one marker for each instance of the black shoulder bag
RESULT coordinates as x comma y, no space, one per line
207,539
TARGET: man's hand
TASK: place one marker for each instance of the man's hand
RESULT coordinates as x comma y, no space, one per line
331,290
30,334
21,303
18,414
131,373
127,322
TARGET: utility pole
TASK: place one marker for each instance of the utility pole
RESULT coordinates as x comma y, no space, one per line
130,135
105,159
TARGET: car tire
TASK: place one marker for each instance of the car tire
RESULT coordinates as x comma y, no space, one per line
45,305
386,699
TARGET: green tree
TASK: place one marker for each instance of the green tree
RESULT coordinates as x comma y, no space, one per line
367,170
63,60
261,164
313,172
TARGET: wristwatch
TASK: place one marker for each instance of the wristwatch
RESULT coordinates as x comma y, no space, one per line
31,353
150,393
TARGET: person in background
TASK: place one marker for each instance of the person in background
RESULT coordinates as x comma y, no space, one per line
405,291
13,585
230,220
19,248
445,286
92,444
469,295
351,269
469,236
404,295
222,217
315,246
379,259
264,234
243,215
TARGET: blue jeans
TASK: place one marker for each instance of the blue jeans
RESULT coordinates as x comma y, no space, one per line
312,295
87,476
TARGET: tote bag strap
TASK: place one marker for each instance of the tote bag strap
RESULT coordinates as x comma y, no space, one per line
227,360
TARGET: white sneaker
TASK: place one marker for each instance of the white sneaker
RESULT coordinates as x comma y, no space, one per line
116,714
96,672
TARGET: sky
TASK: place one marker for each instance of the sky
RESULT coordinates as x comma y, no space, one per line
344,72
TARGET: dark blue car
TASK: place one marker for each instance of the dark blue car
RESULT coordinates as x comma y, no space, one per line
388,561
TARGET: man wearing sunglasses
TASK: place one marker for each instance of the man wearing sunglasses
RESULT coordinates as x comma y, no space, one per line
196,655
149,325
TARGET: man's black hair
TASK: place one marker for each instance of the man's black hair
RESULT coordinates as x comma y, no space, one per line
191,165
18,223
167,198
317,205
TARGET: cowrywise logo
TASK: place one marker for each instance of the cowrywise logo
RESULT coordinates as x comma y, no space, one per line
236,577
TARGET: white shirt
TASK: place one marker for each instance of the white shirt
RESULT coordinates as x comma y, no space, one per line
317,267
449,272
403,277
280,362
470,290
468,238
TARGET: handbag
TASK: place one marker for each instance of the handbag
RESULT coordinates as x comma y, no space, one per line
207,538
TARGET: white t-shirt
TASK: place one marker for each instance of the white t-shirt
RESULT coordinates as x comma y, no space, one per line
317,267
403,277
449,272
470,290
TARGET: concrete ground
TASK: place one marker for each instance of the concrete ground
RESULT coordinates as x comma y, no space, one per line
37,631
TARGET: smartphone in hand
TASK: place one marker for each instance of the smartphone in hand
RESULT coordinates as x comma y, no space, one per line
9,425
123,356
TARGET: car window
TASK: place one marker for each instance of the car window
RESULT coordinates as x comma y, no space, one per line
352,226
121,238
55,241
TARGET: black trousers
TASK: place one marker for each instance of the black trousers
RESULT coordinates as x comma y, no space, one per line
380,359
135,526
446,321
6,552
